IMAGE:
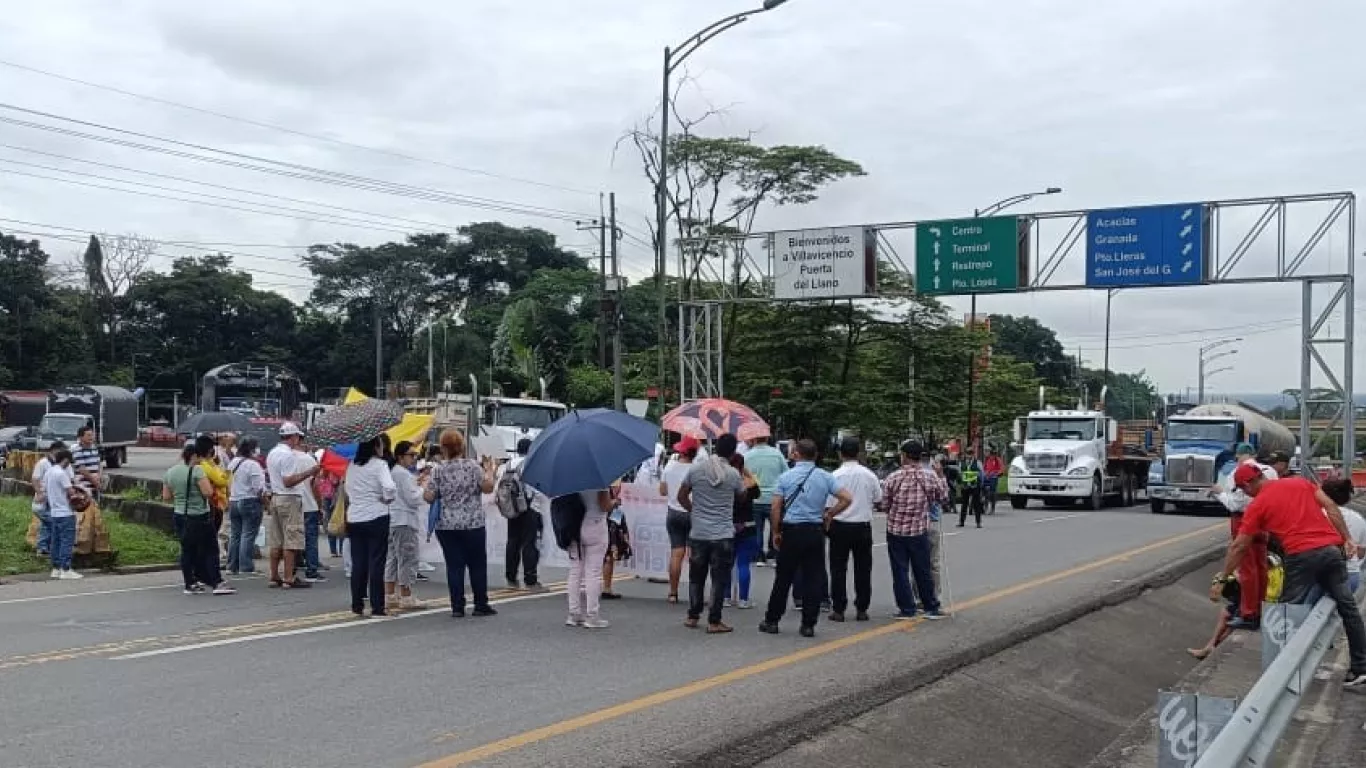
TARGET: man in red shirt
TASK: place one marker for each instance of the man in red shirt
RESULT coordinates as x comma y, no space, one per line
1316,543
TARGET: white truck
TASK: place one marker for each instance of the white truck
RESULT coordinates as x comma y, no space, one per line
1073,454
511,419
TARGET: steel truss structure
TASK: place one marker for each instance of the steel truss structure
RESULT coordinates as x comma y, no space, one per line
1305,239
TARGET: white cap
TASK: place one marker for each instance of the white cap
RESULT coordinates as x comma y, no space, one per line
290,428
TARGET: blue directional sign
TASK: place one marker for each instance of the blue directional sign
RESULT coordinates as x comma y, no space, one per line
1153,245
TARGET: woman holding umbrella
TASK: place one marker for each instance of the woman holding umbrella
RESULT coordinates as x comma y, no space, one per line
460,484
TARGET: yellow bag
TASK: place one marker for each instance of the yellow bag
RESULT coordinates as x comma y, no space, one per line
337,525
1275,578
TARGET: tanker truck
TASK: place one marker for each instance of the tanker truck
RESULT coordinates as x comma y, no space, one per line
1198,452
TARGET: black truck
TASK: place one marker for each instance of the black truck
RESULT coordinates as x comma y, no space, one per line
112,411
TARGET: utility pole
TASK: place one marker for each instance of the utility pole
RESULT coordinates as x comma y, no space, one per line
602,280
431,355
379,352
618,385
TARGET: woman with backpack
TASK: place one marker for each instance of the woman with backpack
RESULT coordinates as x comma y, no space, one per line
460,484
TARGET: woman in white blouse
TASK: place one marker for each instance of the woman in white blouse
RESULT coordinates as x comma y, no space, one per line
370,490
405,519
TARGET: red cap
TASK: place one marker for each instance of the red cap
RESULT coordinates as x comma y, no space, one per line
1246,473
687,444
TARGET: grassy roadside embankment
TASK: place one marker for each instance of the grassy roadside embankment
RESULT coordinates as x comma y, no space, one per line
136,544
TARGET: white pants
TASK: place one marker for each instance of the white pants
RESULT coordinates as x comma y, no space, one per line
585,571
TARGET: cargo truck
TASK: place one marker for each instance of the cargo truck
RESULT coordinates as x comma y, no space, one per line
111,411
1068,455
1198,452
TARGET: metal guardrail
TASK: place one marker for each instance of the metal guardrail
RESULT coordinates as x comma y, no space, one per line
1250,738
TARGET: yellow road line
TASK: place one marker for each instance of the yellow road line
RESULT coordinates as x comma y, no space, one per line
698,686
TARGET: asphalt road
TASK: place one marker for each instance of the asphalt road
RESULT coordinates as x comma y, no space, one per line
127,671
148,463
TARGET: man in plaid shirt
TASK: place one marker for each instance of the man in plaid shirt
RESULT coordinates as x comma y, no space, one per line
907,495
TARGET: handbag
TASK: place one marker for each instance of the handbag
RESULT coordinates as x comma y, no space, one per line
337,525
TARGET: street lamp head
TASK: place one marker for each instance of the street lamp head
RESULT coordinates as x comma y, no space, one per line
1052,190
771,4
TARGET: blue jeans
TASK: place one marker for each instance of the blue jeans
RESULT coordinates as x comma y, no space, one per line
44,543
747,550
313,523
63,541
910,558
244,519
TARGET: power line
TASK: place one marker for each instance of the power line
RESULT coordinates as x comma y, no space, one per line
430,225
292,131
295,170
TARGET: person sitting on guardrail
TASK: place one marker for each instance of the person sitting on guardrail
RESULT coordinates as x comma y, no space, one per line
1317,544
1252,570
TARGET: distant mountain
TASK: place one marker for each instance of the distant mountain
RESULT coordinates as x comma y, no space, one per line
1265,400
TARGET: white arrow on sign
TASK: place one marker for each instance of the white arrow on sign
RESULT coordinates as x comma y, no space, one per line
936,282
936,247
1187,266
1186,230
935,231
936,265
1186,249
1186,214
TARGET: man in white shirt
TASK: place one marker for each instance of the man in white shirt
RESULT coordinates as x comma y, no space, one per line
57,486
289,480
39,507
851,532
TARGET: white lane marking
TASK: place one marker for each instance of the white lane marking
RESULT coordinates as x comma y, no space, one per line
345,624
1059,517
85,594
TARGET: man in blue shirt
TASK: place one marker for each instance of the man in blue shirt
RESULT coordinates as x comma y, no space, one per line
799,517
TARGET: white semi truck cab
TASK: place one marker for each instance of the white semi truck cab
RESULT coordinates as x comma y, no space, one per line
1072,454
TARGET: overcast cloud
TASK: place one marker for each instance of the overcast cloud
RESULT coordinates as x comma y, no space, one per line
949,106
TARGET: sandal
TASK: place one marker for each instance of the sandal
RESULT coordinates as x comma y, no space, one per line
275,584
673,597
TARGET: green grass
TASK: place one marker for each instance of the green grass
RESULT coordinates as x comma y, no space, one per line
136,544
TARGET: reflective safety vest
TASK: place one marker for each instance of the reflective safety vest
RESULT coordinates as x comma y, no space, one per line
970,476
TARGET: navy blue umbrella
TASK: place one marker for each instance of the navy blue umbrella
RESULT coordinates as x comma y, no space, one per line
587,450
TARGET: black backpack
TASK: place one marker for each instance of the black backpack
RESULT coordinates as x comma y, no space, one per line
566,519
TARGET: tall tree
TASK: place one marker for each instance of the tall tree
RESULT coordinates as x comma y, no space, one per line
1027,340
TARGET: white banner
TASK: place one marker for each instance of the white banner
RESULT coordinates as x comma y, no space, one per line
824,263
645,511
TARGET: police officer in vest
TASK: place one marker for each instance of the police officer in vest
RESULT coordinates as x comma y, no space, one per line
970,479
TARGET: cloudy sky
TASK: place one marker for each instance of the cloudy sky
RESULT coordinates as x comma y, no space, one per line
511,111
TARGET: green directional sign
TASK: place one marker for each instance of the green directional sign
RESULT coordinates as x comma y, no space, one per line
982,255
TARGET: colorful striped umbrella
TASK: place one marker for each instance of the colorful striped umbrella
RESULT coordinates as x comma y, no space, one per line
354,423
711,418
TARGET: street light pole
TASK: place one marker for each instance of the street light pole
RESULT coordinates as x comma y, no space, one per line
1206,359
994,208
672,58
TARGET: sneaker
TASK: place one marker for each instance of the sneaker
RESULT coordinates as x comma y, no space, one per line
1239,622
760,563
484,610
458,613
807,631
198,589
409,602
730,603
56,574
70,575
348,575
837,616
596,622
324,567
935,615
514,584
573,621
905,616
769,627
1354,680
744,605
315,579
191,591
231,572
224,589
537,587
861,616
425,567
420,576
